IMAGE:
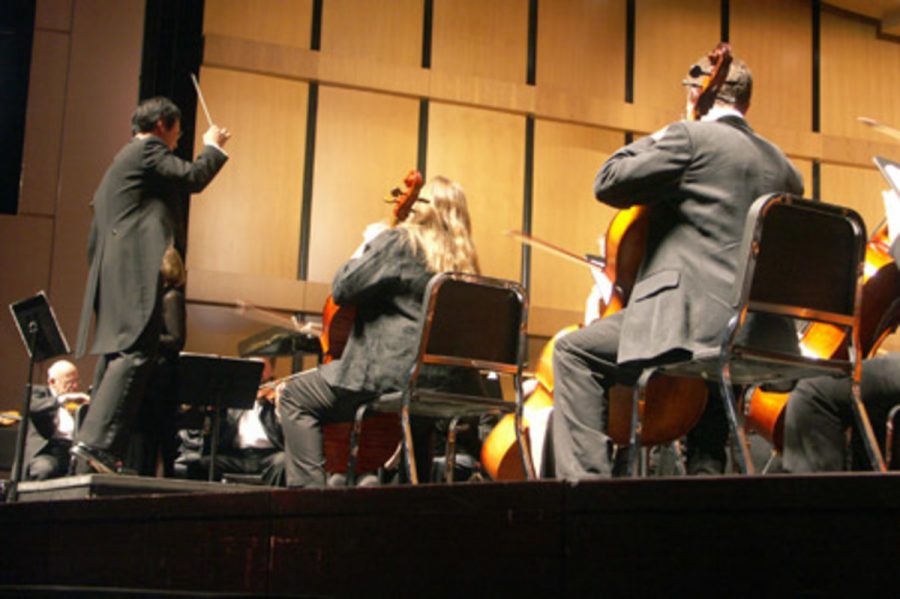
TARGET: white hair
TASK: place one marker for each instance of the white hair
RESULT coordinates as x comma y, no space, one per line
58,368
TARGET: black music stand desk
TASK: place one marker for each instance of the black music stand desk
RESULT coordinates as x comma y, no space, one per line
43,340
217,382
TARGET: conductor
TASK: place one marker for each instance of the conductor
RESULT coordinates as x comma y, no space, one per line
131,229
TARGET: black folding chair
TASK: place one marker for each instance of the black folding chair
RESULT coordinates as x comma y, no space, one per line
800,260
471,323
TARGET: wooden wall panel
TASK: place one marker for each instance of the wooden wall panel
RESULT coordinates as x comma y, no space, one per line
217,330
484,151
484,39
581,47
43,122
858,188
774,38
53,14
859,77
806,171
28,241
285,22
248,219
374,30
369,76
365,145
669,37
100,96
565,212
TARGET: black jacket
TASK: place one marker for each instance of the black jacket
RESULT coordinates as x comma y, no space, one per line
131,229
43,422
385,285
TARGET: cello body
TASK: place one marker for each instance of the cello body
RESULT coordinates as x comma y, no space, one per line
673,405
500,455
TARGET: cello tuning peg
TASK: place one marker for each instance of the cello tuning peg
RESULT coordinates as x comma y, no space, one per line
395,193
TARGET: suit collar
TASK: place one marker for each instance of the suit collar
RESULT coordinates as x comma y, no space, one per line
736,121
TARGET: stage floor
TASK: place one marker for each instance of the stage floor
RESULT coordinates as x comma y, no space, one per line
766,535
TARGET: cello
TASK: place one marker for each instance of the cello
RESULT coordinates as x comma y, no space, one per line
673,405
337,320
381,439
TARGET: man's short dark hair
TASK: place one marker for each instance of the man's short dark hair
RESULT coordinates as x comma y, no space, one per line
149,111
738,86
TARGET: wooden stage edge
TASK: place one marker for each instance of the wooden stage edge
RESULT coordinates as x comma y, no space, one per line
817,535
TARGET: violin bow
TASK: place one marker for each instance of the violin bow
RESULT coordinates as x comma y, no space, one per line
252,312
552,249
880,127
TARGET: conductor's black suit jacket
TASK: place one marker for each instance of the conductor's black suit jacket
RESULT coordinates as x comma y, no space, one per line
131,229
699,178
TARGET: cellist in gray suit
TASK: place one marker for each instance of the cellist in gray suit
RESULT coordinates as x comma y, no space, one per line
698,180
131,229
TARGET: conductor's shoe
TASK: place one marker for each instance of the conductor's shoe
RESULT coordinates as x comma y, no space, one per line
98,459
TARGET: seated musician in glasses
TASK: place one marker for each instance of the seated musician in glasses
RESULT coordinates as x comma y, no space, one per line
698,179
53,412
385,281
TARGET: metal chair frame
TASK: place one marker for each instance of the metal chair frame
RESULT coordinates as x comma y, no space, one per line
448,336
739,363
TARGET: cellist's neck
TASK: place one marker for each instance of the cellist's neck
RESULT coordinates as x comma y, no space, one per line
718,111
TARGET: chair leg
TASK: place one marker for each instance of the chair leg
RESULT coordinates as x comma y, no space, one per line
524,445
450,453
678,454
411,474
769,462
864,426
669,461
634,436
889,437
742,449
355,433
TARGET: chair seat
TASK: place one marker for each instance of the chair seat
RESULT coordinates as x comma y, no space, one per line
443,404
750,366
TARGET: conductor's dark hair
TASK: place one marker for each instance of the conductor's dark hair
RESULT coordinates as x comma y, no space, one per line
149,111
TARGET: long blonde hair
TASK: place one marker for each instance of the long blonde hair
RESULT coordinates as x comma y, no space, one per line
440,229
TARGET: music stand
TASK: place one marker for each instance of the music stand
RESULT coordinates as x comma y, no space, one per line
43,340
219,382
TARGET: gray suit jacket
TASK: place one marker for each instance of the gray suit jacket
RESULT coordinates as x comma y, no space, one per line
131,229
700,179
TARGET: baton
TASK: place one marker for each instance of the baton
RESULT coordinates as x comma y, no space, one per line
202,101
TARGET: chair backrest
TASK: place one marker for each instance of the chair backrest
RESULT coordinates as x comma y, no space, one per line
802,259
473,321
